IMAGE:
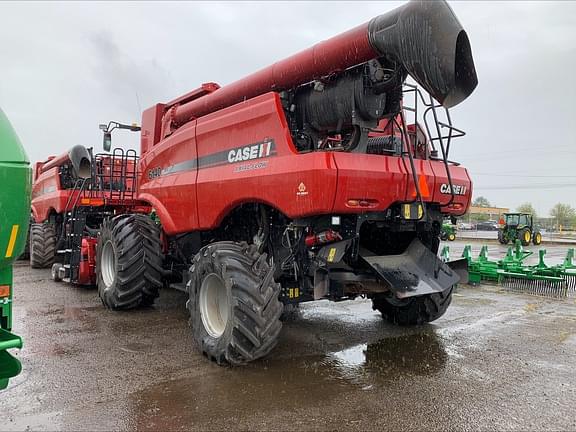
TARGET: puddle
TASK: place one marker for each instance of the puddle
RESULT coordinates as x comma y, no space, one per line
390,359
278,385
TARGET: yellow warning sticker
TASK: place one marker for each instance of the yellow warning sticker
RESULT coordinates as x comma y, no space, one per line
331,254
406,211
12,241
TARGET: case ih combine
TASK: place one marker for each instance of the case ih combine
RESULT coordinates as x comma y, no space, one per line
314,178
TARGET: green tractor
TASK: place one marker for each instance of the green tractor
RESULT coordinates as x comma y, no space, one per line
15,178
518,226
448,232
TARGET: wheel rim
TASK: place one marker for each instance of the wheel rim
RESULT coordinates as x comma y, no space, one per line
108,264
527,236
214,305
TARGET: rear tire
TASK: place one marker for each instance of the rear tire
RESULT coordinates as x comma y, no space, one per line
42,245
502,238
234,303
525,236
413,310
129,262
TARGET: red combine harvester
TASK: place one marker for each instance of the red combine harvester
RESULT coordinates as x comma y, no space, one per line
323,176
72,195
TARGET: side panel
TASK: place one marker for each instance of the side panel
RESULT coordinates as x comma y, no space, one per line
46,195
462,188
246,155
168,180
380,180
385,180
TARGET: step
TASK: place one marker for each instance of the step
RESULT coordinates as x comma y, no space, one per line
180,286
62,251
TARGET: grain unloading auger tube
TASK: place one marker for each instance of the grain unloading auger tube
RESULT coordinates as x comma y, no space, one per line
423,39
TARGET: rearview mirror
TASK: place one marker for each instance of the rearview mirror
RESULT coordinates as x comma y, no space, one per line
107,143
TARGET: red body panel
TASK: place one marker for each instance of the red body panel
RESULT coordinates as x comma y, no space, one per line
244,153
87,269
47,195
173,196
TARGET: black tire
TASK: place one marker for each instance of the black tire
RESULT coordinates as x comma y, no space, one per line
524,235
56,272
502,238
537,238
132,274
249,300
443,236
413,310
42,245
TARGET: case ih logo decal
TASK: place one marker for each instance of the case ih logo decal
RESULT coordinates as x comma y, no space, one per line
255,151
244,153
457,189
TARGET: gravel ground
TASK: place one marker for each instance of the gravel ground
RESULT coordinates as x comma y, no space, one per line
495,361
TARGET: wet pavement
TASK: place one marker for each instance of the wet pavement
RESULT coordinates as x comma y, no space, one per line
495,361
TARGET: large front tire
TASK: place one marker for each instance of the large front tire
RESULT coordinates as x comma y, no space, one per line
413,310
234,303
129,262
502,237
42,245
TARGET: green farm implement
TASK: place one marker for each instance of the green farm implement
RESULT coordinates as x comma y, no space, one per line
558,281
15,178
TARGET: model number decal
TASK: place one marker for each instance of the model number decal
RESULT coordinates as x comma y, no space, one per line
457,189
255,151
154,173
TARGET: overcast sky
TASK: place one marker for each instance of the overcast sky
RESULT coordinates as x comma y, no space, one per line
66,67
